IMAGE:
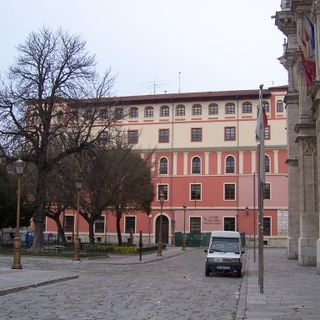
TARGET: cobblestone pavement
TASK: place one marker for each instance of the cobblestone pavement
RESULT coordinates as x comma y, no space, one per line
291,292
174,288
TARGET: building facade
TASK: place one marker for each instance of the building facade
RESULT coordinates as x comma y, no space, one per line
300,23
204,162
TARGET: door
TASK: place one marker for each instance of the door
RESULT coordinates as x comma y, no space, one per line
164,229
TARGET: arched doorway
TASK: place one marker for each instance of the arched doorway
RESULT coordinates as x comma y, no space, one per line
164,229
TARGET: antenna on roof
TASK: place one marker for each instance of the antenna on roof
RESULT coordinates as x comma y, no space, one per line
179,82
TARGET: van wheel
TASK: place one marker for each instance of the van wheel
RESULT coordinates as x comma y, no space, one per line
239,274
207,273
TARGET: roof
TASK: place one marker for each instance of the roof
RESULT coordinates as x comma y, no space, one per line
187,97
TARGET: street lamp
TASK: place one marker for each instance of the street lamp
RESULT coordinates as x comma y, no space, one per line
184,228
159,253
77,240
19,168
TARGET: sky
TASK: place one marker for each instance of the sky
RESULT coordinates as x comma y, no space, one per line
157,46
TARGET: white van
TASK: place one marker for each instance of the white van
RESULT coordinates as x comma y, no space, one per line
224,253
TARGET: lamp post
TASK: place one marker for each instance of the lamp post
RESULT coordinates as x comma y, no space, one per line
159,253
77,240
150,216
19,168
184,228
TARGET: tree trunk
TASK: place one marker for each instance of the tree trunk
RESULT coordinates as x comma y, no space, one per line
39,214
61,234
119,230
91,232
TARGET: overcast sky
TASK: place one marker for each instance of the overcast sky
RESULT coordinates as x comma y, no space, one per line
210,45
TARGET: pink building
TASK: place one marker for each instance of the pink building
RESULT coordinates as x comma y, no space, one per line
205,164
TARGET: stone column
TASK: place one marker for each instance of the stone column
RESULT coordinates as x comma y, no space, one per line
293,176
309,218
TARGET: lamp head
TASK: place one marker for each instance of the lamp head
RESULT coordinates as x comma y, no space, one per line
19,167
78,183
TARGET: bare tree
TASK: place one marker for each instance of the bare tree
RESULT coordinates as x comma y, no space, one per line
114,179
49,104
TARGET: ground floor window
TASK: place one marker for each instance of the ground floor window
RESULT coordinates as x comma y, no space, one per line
267,226
69,224
229,223
130,225
195,225
99,225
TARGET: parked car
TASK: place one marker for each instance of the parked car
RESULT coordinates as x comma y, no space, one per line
224,253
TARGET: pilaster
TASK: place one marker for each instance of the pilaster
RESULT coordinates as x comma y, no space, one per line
309,217
292,106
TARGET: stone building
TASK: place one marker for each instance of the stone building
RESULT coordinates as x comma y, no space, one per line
300,23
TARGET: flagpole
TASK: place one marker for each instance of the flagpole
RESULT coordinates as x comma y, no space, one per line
254,217
261,188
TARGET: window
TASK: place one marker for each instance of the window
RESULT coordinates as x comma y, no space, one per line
103,114
164,111
266,191
104,138
246,107
60,116
195,192
196,134
266,226
195,225
130,225
265,105
229,191
99,225
133,136
163,135
230,168
229,133
279,106
196,165
163,166
267,135
213,109
230,108
69,224
266,163
118,113
148,112
180,110
88,115
229,224
133,112
197,110
163,188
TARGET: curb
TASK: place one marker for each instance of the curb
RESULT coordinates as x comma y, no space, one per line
4,292
150,261
241,305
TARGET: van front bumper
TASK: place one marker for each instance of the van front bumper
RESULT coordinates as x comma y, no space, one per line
223,267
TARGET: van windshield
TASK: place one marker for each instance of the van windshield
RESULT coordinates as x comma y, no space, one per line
225,245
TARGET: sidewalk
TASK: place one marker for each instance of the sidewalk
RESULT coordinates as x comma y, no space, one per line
290,291
20,279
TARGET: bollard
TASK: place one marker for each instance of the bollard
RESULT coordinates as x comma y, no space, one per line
140,246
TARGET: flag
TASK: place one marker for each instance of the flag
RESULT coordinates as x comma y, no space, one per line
262,123
306,41
309,67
